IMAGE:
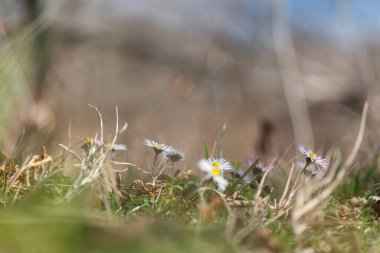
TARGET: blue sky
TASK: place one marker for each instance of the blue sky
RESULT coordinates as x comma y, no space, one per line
328,17
246,21
358,19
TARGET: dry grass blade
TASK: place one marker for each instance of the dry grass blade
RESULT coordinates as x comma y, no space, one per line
101,123
260,188
31,162
280,203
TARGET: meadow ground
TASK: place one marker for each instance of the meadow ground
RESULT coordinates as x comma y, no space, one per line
88,200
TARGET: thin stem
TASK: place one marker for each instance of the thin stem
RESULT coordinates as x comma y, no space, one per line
155,160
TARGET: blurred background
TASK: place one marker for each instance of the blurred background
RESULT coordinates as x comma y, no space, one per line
275,72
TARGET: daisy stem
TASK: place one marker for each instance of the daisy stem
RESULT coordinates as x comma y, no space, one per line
308,161
154,162
173,169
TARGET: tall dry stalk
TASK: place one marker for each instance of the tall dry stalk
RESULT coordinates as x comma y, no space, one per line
291,75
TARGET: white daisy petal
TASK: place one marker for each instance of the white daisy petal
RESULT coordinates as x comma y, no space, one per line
119,147
205,165
226,166
302,150
322,162
157,147
221,182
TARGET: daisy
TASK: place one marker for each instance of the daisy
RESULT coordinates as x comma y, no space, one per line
157,147
174,155
215,169
312,157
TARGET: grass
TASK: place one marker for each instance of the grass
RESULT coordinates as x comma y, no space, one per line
84,201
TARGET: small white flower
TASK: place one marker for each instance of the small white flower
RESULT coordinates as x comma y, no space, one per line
157,147
312,157
174,155
215,169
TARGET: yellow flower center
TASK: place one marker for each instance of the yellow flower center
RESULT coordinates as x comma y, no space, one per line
216,169
158,146
88,140
312,154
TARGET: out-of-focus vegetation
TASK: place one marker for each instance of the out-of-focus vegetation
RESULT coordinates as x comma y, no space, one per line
272,73
266,69
13,81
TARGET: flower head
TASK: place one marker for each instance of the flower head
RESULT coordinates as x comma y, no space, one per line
157,147
312,157
174,155
215,169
